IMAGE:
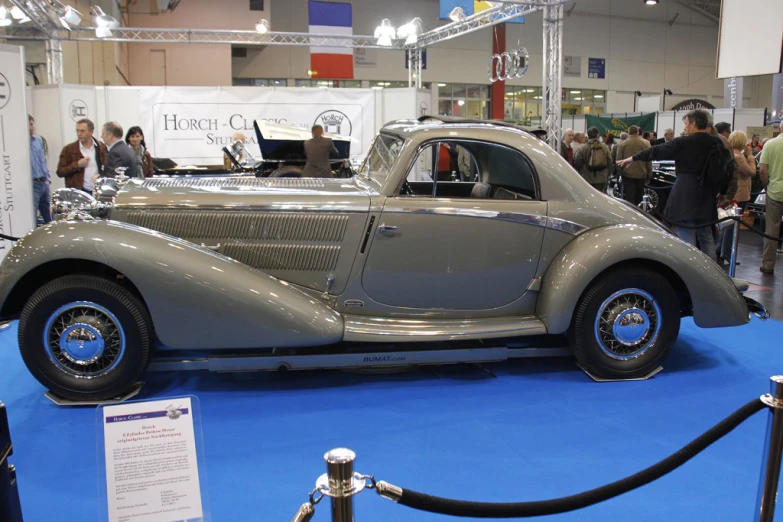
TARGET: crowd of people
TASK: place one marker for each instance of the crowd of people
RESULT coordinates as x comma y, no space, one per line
714,168
85,160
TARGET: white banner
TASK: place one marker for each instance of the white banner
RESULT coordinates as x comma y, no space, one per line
191,125
16,214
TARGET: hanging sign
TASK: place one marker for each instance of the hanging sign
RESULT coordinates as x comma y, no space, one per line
17,215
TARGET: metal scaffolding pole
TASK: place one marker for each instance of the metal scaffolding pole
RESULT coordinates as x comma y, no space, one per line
553,70
54,62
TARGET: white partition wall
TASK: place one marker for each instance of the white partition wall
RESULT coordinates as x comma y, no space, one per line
191,124
16,212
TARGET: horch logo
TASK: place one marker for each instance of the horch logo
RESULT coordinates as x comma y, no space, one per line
78,110
335,122
5,91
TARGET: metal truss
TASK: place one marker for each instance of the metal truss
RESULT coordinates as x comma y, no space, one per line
553,71
196,36
488,18
54,62
414,68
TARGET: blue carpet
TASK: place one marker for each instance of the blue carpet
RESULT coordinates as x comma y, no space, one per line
538,429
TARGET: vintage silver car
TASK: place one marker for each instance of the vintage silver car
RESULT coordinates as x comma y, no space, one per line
451,241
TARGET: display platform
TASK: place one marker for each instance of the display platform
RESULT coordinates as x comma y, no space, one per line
524,430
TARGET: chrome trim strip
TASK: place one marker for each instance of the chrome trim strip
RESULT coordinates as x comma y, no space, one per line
283,207
561,225
362,328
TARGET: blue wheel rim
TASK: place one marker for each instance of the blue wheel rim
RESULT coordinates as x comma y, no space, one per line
84,340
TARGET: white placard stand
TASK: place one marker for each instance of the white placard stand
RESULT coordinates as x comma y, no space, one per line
17,216
153,469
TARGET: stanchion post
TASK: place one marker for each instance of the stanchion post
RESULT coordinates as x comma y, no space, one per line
773,452
735,243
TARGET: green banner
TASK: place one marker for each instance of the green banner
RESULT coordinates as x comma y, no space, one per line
619,125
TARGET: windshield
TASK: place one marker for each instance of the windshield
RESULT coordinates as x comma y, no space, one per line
385,150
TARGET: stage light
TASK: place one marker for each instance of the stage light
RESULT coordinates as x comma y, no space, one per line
5,17
385,33
65,14
650,2
19,15
457,14
411,31
103,23
262,26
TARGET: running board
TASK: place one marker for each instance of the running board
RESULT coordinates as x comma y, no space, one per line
375,329
365,360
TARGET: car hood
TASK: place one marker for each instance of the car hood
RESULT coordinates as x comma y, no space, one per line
244,193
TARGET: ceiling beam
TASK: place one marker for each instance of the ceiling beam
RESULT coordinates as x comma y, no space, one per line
698,10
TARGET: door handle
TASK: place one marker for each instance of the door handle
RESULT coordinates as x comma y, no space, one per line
383,228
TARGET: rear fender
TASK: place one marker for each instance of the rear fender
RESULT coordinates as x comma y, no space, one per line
716,301
197,298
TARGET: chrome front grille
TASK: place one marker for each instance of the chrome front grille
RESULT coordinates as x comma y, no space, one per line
233,182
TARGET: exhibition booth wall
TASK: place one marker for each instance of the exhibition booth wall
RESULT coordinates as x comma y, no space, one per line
190,125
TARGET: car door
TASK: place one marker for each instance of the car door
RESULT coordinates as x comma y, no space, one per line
453,245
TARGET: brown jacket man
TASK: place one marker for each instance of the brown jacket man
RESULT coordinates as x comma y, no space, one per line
318,151
68,166
629,147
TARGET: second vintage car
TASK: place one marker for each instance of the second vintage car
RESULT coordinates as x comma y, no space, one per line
449,239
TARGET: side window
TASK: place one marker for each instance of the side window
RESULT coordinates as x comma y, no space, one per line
460,169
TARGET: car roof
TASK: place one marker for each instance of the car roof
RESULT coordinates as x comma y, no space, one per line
406,128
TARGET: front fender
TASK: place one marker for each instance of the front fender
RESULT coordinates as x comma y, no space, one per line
716,301
197,298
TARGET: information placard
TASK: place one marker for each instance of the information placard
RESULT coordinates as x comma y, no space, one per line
152,470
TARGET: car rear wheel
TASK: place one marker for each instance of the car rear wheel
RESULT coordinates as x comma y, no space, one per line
85,337
625,324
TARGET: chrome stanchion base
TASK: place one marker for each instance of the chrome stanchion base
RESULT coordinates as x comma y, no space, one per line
59,401
596,378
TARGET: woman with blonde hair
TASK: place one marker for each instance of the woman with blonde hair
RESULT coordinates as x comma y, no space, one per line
739,188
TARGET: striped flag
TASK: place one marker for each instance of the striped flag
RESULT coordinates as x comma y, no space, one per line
331,18
470,7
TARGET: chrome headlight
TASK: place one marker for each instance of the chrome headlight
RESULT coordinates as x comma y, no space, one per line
69,203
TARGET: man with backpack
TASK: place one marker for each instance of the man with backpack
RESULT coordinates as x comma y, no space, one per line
704,168
592,160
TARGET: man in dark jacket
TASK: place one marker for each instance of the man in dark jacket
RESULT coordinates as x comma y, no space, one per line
120,154
318,151
693,199
82,160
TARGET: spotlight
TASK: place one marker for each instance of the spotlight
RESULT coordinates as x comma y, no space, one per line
103,22
410,31
668,92
262,26
457,14
5,17
66,15
650,2
638,93
385,33
19,15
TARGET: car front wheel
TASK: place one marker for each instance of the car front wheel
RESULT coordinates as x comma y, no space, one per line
85,337
625,324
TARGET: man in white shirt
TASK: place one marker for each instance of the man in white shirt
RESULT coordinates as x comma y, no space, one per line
81,161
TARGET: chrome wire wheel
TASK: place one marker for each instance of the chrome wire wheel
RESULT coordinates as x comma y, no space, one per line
84,339
627,324
653,200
